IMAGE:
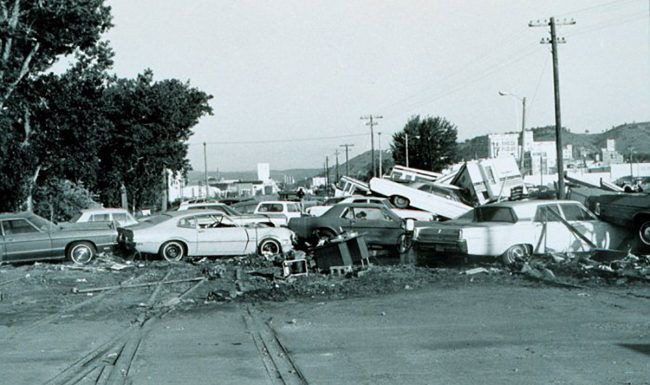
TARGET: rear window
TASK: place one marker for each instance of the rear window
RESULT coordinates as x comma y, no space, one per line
154,220
494,214
271,208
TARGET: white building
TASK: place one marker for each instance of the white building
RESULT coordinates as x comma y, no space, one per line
178,189
263,172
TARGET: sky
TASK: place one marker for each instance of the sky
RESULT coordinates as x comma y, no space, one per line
291,78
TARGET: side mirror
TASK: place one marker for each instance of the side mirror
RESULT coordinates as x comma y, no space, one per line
409,225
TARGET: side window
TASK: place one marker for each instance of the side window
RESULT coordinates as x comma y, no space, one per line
18,226
206,220
369,214
293,208
575,212
359,201
348,213
547,213
100,217
188,223
120,217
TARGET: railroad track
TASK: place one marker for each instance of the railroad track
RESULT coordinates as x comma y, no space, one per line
110,363
280,366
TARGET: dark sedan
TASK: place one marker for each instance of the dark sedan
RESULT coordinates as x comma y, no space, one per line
380,226
630,210
28,237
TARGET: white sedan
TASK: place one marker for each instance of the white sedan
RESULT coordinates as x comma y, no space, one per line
517,229
177,234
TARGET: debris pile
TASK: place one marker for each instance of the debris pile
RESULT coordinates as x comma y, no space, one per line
596,267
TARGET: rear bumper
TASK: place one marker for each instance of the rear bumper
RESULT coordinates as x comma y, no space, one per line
458,247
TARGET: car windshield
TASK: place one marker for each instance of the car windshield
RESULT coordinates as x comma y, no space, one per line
494,214
154,220
41,223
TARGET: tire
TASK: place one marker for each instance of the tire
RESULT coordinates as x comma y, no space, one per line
81,252
269,248
644,232
405,243
400,202
516,253
172,251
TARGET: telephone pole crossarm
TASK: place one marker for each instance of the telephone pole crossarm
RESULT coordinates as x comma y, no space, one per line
372,123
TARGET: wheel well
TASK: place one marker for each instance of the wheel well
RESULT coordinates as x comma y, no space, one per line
639,218
183,244
69,245
270,239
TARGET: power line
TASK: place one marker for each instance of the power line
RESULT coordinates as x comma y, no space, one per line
596,6
282,140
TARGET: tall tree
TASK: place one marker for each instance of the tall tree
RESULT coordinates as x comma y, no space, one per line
34,33
151,123
431,141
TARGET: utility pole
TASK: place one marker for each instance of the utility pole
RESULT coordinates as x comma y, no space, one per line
336,153
381,172
372,124
327,174
347,160
205,165
406,147
554,40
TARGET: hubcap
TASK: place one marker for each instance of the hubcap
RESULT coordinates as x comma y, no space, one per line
172,252
81,254
644,233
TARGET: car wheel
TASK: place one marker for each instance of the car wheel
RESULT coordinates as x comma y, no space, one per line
400,202
270,248
514,254
172,251
405,243
644,232
81,252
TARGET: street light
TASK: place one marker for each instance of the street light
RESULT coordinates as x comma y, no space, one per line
523,124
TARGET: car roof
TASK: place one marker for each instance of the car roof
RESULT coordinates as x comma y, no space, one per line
204,204
104,210
191,212
22,214
529,203
376,205
279,202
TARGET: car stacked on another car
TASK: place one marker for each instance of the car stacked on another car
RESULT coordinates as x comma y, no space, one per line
517,229
28,237
175,235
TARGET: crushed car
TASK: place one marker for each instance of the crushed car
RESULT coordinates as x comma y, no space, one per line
417,215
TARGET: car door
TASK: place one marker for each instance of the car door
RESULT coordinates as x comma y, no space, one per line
551,234
219,235
375,223
586,224
24,241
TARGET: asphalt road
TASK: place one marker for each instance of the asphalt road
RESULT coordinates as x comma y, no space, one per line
487,334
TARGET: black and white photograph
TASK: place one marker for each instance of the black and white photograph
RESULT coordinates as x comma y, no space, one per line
324,192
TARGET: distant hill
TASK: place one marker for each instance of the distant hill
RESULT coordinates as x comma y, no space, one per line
636,135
